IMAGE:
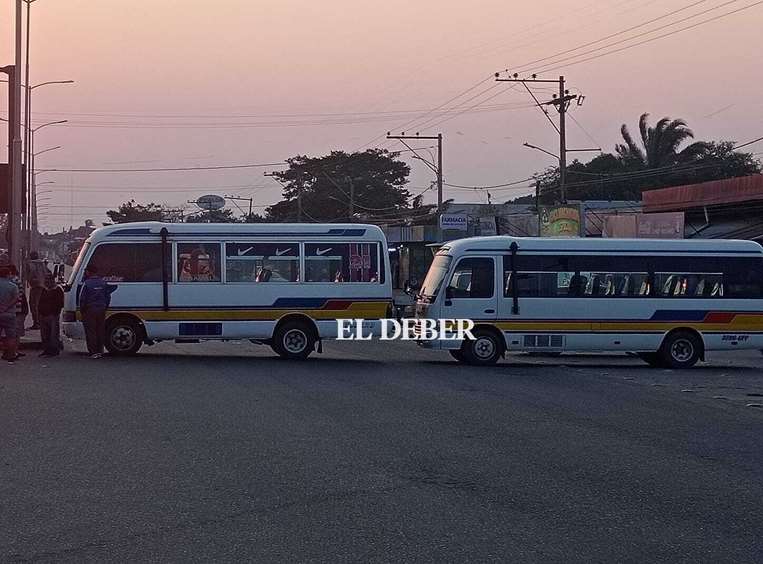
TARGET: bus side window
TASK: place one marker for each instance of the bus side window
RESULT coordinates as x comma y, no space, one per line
198,262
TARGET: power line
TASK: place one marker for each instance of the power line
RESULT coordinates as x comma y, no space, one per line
674,32
748,143
222,167
492,186
448,101
520,68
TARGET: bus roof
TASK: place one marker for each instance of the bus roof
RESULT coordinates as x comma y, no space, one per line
603,245
152,229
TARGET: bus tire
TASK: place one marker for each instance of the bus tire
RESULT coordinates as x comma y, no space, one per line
458,354
681,349
294,340
485,349
124,336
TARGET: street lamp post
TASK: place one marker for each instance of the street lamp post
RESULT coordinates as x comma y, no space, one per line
33,188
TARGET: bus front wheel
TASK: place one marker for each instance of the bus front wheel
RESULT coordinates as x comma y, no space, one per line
485,349
124,336
294,340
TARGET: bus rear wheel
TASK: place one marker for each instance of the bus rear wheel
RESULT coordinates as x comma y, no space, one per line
124,336
680,349
294,340
485,349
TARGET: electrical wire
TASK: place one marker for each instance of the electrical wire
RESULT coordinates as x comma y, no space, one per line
221,167
649,40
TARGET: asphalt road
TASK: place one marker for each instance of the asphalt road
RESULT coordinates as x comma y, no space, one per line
378,452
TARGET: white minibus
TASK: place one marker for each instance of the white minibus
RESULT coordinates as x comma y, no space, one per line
279,284
669,301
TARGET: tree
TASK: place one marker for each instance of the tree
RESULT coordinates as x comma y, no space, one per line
659,144
658,162
374,180
131,212
212,216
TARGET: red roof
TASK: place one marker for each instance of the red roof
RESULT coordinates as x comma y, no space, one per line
713,193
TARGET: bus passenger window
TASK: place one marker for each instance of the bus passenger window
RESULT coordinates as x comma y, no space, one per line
341,262
261,262
198,262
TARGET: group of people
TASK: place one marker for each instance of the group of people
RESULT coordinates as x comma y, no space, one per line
45,302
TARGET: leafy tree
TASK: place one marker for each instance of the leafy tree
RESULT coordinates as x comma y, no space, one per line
131,212
659,144
658,162
375,176
213,216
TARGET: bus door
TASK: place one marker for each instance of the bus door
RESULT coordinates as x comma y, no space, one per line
470,292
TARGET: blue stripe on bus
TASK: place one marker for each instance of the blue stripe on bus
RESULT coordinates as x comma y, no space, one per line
145,232
679,315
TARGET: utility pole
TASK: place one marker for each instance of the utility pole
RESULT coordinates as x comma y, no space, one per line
562,104
436,168
14,147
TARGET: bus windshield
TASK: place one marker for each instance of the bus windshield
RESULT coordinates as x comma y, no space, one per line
78,264
435,276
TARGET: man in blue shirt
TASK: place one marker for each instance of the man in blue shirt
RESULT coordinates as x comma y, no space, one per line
94,300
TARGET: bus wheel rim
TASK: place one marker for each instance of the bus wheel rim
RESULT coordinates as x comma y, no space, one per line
295,341
123,337
484,348
682,350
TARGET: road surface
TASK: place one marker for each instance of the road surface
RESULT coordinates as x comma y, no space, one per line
378,452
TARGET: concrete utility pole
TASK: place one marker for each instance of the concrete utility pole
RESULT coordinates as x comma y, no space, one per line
562,103
14,134
436,168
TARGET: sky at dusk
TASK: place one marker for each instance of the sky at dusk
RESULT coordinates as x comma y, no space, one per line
192,83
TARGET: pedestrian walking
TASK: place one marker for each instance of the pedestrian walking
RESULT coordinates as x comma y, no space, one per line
22,306
35,278
9,297
94,300
50,306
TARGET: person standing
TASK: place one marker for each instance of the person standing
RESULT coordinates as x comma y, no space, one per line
94,300
9,297
50,306
22,306
35,276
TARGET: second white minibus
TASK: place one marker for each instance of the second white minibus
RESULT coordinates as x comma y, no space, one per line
669,301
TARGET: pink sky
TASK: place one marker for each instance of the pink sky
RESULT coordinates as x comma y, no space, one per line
214,63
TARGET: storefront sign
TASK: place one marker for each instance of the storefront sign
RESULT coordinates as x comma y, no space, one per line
453,221
560,221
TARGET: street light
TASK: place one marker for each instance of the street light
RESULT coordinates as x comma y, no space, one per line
46,150
32,222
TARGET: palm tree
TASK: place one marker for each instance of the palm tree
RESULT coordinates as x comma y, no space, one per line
660,144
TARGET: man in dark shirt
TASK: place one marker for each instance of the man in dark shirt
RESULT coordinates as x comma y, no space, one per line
9,295
49,307
94,300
